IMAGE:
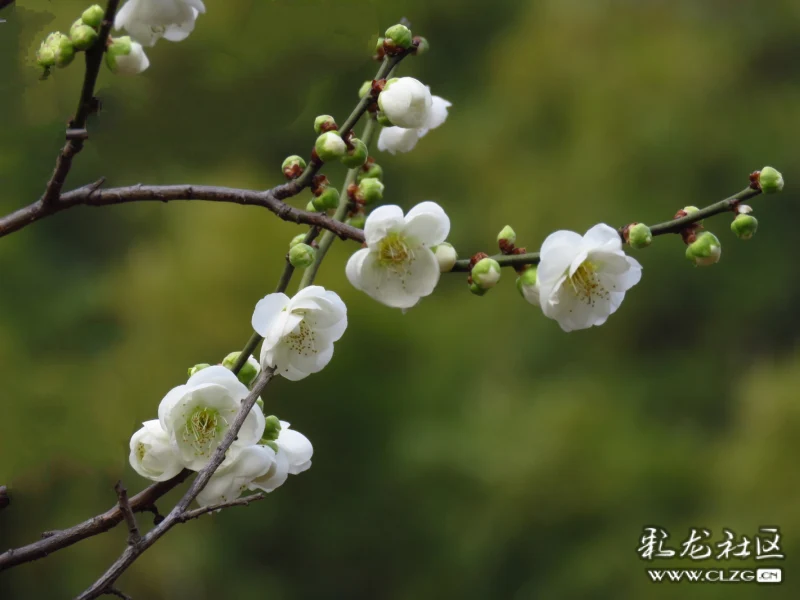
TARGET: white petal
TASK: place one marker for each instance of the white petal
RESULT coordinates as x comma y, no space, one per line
297,448
381,221
266,311
438,112
427,223
600,235
275,477
397,139
221,376
354,267
230,481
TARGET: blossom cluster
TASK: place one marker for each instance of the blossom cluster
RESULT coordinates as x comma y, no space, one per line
194,418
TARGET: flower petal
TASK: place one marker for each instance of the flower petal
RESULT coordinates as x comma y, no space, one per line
397,139
381,221
427,223
267,311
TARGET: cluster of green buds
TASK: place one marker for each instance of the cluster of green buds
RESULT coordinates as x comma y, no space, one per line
301,255
58,49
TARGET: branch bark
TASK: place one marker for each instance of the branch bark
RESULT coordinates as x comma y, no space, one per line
141,502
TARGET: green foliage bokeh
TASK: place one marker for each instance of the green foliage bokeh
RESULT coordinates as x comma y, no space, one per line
467,449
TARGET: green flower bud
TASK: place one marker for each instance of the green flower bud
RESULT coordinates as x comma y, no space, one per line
311,208
357,156
302,256
744,226
477,290
260,403
526,285
399,36
771,180
384,121
249,371
292,166
329,198
324,123
370,190
93,16
272,429
507,235
82,35
365,89
374,170
446,256
357,221
196,368
330,146
486,273
705,250
62,48
422,45
639,236
379,45
46,55
298,239
690,210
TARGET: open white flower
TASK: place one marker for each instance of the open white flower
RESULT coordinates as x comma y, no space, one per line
152,455
406,102
299,332
292,458
583,279
398,267
399,139
229,481
147,21
197,415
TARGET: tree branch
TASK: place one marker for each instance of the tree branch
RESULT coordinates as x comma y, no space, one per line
93,195
131,553
87,104
203,510
674,226
141,502
127,513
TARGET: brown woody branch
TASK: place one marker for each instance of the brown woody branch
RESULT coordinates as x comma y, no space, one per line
94,195
87,104
57,540
127,513
204,510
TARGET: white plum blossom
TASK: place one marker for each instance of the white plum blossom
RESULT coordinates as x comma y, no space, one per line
152,454
196,416
147,21
230,480
299,332
398,266
406,102
582,280
293,456
399,139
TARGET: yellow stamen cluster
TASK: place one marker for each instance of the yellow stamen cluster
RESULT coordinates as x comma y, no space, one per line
586,284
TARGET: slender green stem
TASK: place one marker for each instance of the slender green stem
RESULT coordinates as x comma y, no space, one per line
674,226
340,214
386,69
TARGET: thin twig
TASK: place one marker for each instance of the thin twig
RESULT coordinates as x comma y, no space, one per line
203,510
127,513
112,591
674,226
87,104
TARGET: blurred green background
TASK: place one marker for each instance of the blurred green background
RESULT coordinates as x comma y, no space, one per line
467,449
